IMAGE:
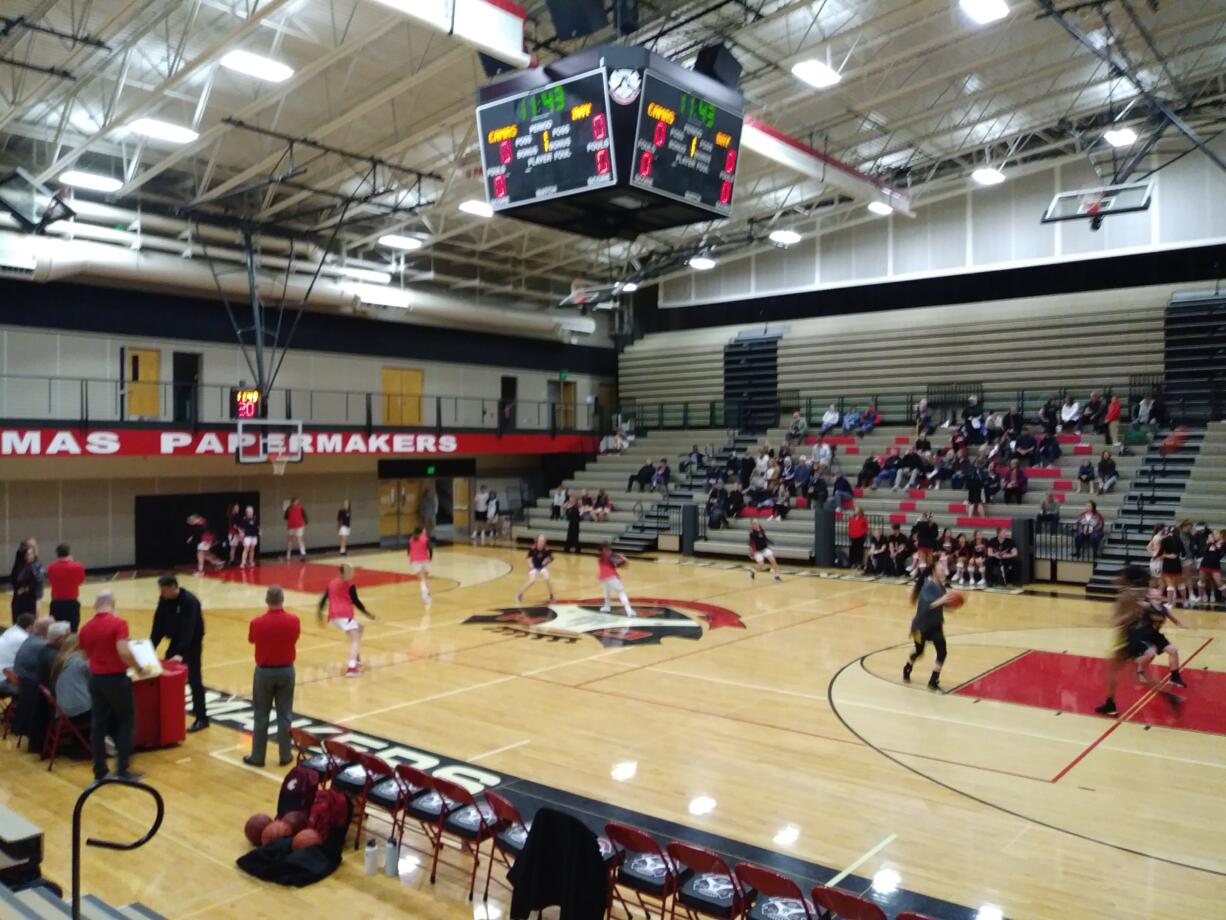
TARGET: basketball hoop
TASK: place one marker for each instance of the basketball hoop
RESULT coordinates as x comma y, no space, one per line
279,461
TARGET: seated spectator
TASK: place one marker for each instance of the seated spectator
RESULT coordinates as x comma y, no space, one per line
1049,451
586,505
1013,423
732,468
736,501
762,462
900,550
802,472
1085,476
869,470
961,466
1026,447
994,426
70,683
32,664
1070,414
601,507
857,531
1145,415
787,475
1094,412
922,445
661,477
851,421
877,562
717,507
798,429
691,461
942,469
972,422
12,639
1111,421
774,473
991,483
643,477
818,492
889,469
839,492
1015,483
830,419
781,504
1049,513
869,420
924,424
1002,556
823,456
909,468
1108,476
1049,416
560,497
1090,528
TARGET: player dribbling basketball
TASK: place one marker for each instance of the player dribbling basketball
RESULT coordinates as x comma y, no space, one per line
610,582
539,557
760,552
928,625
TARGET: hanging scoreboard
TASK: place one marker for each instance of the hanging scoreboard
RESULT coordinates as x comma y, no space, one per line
685,146
553,141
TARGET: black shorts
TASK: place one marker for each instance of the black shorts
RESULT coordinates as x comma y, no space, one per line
1132,649
1172,567
974,495
1158,642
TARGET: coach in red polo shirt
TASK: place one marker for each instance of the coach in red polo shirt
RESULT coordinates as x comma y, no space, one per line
104,640
275,637
66,576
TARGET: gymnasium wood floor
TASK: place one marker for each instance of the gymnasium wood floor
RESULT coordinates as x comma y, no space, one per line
797,726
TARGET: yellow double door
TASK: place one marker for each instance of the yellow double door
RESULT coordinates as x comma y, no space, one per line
402,390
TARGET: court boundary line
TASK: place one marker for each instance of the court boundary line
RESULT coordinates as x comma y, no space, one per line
991,670
974,798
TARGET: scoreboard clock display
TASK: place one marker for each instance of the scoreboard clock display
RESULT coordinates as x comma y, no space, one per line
686,147
552,141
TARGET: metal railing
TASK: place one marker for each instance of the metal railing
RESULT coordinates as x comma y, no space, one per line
107,844
664,416
93,401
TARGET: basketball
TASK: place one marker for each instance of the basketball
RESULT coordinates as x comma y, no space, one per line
956,600
275,830
308,837
295,819
1175,440
254,828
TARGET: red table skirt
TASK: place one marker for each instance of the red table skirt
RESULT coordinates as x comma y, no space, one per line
161,704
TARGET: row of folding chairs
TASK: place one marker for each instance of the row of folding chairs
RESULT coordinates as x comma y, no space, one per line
61,727
677,880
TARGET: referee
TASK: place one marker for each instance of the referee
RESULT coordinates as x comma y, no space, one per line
179,618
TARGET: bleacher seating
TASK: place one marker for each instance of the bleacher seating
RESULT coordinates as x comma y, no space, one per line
1204,496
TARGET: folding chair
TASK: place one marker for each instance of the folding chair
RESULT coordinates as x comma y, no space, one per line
423,804
62,723
770,894
350,778
641,868
310,753
509,842
10,706
706,886
383,790
470,822
845,905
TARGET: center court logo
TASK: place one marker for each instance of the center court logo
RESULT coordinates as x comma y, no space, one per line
568,621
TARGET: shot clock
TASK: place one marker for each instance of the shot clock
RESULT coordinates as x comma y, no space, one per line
548,143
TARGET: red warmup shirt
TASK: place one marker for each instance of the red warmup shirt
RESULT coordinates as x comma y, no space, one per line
66,577
605,567
275,637
857,526
295,517
97,639
1113,411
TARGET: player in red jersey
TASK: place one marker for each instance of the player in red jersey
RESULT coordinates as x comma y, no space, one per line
341,599
607,566
295,529
419,561
203,539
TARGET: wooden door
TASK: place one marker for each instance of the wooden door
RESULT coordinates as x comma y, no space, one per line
461,512
606,398
567,415
141,376
402,389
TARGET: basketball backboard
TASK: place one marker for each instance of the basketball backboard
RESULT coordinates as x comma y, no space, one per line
31,203
1103,201
261,441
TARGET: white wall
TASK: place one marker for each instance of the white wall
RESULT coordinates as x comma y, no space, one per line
975,229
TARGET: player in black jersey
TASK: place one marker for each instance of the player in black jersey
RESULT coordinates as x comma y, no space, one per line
539,557
1154,616
760,551
1133,627
1211,565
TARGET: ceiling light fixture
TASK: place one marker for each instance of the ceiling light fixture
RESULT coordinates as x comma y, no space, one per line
1120,137
397,241
880,208
380,295
91,181
253,65
629,287
702,263
477,208
985,12
163,131
986,175
816,73
784,237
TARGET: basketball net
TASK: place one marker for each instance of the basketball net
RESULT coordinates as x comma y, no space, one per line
279,461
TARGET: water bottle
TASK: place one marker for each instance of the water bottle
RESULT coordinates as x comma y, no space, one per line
391,858
372,856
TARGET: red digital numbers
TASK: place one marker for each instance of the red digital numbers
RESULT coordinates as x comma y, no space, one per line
730,162
247,403
725,193
602,162
661,135
500,186
646,161
504,152
599,129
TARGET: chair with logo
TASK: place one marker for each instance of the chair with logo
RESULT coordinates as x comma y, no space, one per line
309,752
845,905
60,724
706,887
423,803
770,894
470,823
640,868
509,842
383,791
351,777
